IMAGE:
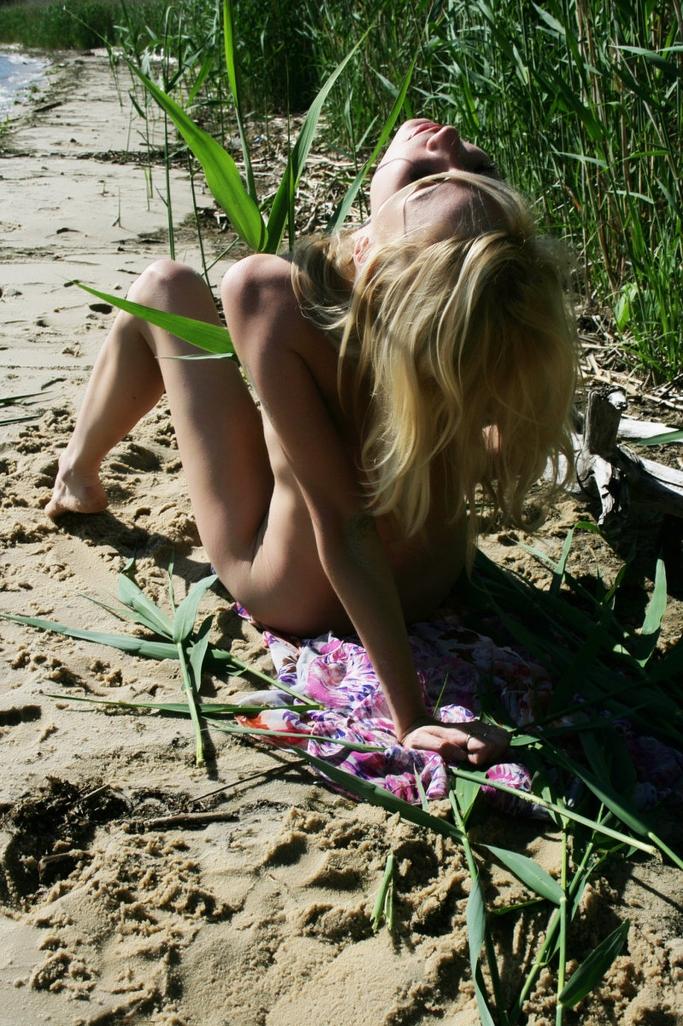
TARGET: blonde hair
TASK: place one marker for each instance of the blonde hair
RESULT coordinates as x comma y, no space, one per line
467,348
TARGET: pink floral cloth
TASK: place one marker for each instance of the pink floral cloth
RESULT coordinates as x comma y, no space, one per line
454,664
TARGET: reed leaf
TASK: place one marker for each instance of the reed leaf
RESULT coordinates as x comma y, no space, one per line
375,795
233,81
654,614
663,439
593,968
349,197
620,806
280,209
209,709
125,643
147,612
156,650
476,934
192,691
563,929
384,904
424,801
561,568
10,400
528,872
560,810
466,792
19,420
282,735
186,613
210,337
120,612
220,170
669,667
199,650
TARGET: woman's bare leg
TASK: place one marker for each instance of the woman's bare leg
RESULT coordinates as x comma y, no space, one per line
218,428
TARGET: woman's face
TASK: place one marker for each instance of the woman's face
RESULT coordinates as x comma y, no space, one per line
421,148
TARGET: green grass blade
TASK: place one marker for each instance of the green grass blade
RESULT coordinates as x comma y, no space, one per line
210,337
20,420
424,801
666,436
198,651
186,613
229,47
354,746
201,78
466,792
233,81
562,939
299,155
476,934
145,648
560,569
147,611
388,127
654,613
10,400
193,702
384,896
170,587
593,968
378,796
560,810
654,57
619,806
220,170
123,642
122,613
529,872
209,709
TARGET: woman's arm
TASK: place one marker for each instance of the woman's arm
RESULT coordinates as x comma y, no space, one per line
276,345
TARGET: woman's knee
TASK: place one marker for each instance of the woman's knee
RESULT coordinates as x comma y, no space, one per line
164,278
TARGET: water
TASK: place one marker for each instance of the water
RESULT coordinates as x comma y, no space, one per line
17,73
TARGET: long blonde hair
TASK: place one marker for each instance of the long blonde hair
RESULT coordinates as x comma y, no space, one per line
468,349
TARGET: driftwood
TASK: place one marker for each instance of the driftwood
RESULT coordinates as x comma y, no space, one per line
620,476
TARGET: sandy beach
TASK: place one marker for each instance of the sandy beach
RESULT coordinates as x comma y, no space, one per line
136,888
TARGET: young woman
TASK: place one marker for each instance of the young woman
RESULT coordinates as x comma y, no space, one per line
397,367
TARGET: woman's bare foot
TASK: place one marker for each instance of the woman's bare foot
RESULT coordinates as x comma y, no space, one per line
75,492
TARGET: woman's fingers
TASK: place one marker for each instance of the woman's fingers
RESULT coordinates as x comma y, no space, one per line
475,742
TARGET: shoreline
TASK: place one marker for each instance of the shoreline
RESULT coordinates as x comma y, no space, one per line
26,97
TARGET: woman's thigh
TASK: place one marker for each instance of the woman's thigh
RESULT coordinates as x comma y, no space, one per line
217,424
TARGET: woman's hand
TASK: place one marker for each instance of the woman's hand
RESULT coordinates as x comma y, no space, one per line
475,742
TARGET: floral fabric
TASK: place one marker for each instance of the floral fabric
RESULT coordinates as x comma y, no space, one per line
454,666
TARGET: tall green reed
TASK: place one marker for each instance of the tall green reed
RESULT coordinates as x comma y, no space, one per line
74,25
581,104
239,201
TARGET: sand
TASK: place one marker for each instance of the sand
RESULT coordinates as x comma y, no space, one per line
111,910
